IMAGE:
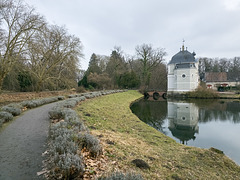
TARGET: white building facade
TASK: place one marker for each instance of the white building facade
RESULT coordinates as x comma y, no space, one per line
183,73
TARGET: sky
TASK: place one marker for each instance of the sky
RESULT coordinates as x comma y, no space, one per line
211,28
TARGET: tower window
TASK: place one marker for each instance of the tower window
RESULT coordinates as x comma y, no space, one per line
184,75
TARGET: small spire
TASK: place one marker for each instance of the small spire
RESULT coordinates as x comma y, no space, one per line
183,45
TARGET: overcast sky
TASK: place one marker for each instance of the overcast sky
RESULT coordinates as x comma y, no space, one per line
211,28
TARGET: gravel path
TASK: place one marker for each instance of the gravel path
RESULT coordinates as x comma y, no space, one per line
22,143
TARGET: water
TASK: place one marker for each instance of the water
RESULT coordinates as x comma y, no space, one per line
200,123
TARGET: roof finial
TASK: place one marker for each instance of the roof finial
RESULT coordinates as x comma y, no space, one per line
183,45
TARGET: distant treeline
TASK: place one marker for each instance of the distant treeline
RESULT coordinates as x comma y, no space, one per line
145,70
230,66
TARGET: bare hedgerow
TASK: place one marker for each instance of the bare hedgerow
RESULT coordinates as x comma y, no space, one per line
61,98
64,162
40,102
91,143
121,176
56,113
70,116
68,166
5,116
72,96
67,136
69,103
14,109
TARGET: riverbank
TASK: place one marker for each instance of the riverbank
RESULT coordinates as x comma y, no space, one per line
125,138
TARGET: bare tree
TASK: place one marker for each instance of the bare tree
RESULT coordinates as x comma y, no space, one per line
18,24
53,55
149,58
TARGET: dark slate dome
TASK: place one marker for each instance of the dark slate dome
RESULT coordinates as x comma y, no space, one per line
183,56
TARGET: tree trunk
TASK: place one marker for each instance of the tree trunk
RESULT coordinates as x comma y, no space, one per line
2,76
1,83
39,86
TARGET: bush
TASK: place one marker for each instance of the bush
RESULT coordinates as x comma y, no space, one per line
69,103
14,109
91,143
68,166
61,98
121,176
81,89
72,96
40,102
5,117
55,113
202,93
64,161
67,136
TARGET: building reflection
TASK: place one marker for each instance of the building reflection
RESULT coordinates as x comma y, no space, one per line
183,120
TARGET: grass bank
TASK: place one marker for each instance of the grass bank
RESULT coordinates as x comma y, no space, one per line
125,138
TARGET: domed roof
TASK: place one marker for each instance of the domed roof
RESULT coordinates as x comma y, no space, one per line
183,56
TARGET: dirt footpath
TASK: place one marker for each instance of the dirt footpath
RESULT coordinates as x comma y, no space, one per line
22,143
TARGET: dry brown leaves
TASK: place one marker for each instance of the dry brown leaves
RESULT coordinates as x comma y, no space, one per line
22,96
95,167
54,121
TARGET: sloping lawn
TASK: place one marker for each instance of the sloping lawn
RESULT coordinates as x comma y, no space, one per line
125,138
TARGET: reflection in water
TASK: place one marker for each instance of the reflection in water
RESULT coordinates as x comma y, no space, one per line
200,123
183,120
152,113
219,110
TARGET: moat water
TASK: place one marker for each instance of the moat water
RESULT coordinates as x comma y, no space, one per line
200,123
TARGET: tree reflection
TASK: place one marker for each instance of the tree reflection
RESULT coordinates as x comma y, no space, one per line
151,112
220,111
184,116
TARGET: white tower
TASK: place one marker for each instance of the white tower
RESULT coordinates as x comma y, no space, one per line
183,73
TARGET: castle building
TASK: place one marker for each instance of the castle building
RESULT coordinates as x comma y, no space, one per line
183,73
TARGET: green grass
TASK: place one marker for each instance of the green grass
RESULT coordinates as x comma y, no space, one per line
110,118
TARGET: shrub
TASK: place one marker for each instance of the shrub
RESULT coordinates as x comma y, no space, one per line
81,98
39,102
71,117
72,96
69,103
121,176
202,93
55,113
14,109
67,136
67,166
65,163
91,143
5,116
61,98
81,89
89,96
